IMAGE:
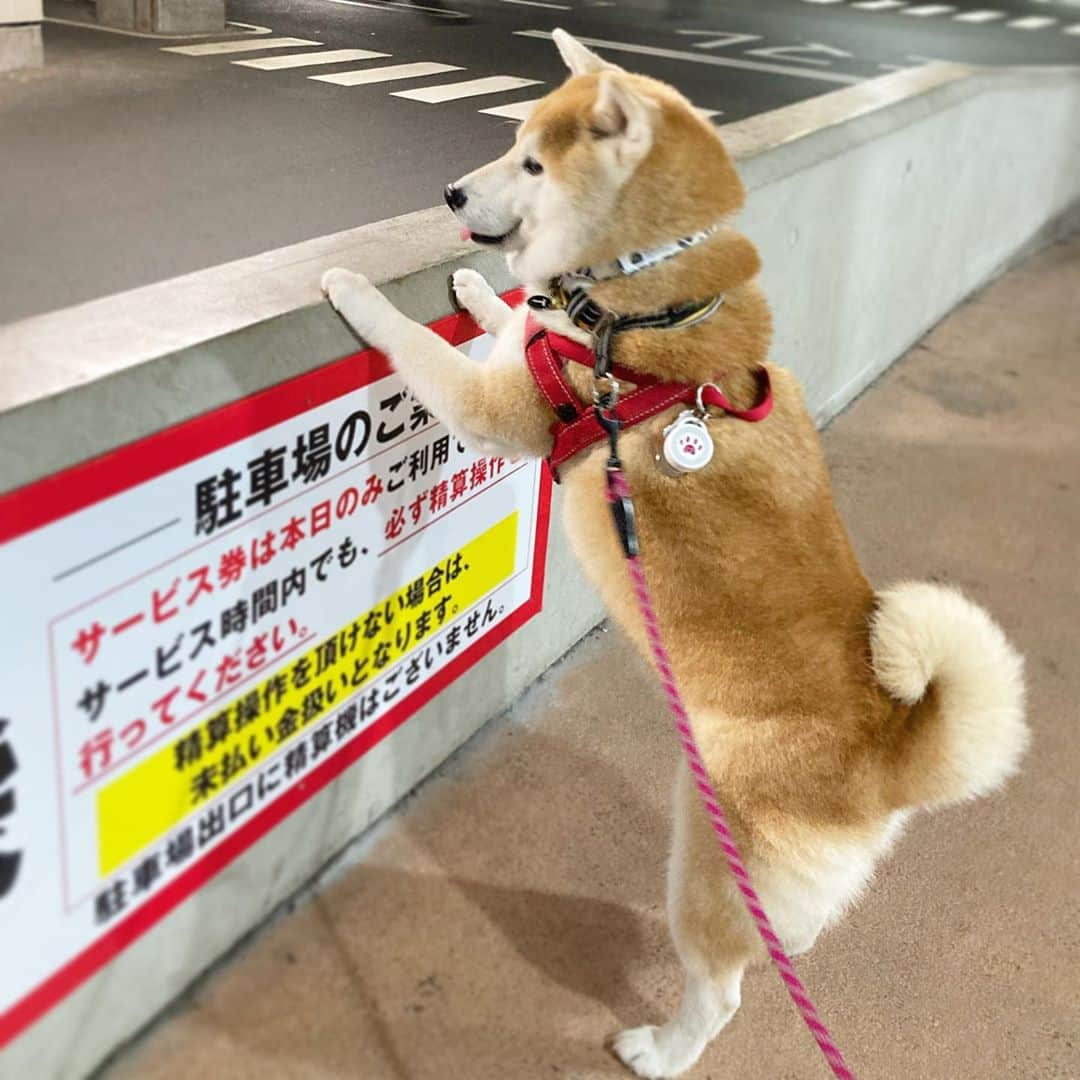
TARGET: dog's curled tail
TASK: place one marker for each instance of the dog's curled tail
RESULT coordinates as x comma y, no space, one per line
962,733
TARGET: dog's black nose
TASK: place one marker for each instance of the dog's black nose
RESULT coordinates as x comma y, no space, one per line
455,197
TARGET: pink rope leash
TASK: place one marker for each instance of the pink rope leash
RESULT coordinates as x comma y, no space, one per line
618,489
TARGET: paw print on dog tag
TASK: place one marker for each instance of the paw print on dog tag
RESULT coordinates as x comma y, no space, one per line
688,446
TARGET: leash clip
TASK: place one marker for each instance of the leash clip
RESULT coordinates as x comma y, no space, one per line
622,507
607,419
605,399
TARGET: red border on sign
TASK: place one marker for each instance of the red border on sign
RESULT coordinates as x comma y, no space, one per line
47,500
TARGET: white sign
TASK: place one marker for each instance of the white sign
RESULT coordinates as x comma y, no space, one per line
203,629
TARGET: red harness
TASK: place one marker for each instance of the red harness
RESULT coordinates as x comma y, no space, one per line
578,426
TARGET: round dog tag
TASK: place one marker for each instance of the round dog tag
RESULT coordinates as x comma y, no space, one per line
688,446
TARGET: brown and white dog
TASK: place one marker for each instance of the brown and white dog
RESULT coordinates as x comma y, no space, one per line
827,712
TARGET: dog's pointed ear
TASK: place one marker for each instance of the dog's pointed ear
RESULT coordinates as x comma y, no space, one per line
578,59
624,115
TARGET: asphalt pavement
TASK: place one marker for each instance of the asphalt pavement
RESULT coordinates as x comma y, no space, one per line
129,160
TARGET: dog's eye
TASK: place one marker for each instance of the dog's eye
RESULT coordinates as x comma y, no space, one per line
532,166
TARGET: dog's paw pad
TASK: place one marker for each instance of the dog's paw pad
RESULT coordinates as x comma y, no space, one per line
636,1048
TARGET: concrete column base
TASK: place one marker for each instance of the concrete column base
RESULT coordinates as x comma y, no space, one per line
20,47
164,16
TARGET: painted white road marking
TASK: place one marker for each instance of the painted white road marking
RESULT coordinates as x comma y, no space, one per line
295,60
216,48
925,10
251,28
247,28
701,58
880,5
540,3
1074,29
979,16
519,110
403,5
493,84
718,39
384,74
1031,22
823,1
789,52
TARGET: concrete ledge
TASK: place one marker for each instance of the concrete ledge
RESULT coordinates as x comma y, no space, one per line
947,147
877,208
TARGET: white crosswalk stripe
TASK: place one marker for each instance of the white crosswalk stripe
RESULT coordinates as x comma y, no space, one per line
925,10
517,110
493,84
823,1
316,55
363,76
880,5
1074,29
979,16
1031,22
540,3
219,48
295,60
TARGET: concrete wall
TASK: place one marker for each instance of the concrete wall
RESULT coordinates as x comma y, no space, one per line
163,16
877,208
20,34
20,11
900,211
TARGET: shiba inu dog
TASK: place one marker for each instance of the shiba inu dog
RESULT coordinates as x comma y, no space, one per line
827,712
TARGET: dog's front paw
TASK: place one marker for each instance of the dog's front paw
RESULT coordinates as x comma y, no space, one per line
340,286
372,317
471,290
637,1049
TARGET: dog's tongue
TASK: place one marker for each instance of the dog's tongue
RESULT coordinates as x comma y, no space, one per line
466,234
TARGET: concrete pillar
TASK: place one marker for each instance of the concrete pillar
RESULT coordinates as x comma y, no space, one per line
163,16
20,34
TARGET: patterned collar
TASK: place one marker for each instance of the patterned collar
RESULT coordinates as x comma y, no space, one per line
635,261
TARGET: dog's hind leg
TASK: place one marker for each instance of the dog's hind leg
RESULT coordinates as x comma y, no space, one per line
714,939
709,1001
478,298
